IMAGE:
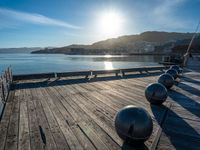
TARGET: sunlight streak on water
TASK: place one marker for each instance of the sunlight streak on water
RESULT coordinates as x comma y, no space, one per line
108,65
107,56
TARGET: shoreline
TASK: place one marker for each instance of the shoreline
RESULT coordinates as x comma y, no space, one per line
132,54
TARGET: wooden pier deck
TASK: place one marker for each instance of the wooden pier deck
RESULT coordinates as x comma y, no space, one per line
79,113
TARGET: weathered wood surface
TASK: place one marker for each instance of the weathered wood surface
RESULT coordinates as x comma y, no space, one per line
79,114
181,128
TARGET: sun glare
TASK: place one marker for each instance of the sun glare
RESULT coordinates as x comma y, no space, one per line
107,56
108,65
110,23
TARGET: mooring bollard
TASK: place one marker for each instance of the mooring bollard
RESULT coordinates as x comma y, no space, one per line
133,124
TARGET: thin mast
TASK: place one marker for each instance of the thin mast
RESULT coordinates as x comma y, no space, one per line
186,55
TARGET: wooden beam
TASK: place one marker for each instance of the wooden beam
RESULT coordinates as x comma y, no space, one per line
87,73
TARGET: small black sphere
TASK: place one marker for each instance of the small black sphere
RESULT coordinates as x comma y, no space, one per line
156,93
176,67
172,72
133,124
167,80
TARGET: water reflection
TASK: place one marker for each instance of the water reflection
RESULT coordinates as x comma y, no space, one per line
116,58
108,56
108,65
43,63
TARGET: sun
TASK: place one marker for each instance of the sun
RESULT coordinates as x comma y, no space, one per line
110,23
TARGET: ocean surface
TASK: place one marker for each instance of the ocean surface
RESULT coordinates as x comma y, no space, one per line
44,63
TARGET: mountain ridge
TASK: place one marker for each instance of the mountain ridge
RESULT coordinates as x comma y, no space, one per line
19,50
146,42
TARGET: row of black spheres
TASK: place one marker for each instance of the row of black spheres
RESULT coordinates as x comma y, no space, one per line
134,124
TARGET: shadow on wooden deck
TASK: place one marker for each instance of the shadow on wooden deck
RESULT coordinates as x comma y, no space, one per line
173,127
186,102
191,80
189,89
179,130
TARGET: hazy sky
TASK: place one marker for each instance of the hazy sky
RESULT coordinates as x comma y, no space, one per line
63,22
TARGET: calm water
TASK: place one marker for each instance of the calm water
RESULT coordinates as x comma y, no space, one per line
43,63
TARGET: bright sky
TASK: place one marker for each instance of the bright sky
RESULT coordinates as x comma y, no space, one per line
29,23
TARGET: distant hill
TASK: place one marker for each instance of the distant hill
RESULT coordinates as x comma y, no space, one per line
144,43
19,50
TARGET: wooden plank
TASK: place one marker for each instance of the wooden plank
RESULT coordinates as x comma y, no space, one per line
55,112
12,135
45,132
127,97
35,137
79,89
109,130
94,110
24,137
82,116
54,126
5,120
63,120
89,87
93,137
77,115
101,108
106,139
70,89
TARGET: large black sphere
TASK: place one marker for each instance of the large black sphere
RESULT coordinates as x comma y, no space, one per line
167,80
156,93
133,124
172,72
176,67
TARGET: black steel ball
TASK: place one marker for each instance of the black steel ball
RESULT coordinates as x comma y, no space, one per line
156,93
176,67
133,124
167,80
172,72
